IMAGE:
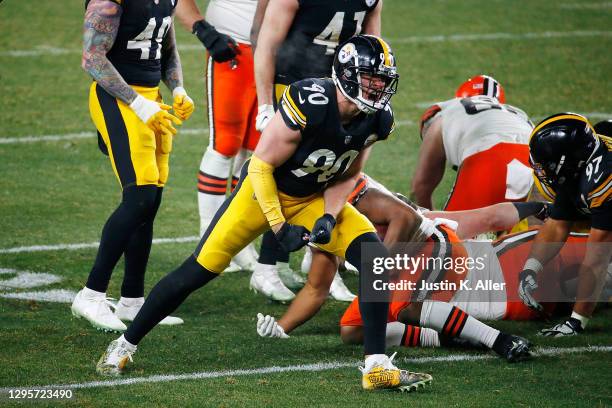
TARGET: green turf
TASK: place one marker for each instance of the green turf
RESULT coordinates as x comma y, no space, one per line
62,192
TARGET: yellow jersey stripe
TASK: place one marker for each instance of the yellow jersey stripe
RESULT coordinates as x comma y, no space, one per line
603,186
561,117
385,48
294,106
289,109
597,202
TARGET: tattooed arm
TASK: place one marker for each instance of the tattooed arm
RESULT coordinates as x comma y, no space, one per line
99,32
172,73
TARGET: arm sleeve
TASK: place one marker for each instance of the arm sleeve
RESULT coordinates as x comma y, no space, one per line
563,209
264,186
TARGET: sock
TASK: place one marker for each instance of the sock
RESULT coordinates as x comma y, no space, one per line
454,322
374,314
135,209
529,208
166,296
137,254
131,347
212,185
239,161
269,249
583,320
131,302
92,294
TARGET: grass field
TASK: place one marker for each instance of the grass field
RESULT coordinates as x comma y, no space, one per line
550,57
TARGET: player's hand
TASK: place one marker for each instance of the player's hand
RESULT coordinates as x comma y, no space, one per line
527,286
265,113
222,47
183,105
267,326
321,233
155,115
292,237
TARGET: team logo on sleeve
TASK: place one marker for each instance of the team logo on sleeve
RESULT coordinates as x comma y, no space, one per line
370,3
347,52
370,140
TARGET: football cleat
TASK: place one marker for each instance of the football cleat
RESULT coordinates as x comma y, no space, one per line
570,327
232,267
127,309
115,358
339,291
512,348
289,277
380,373
246,259
265,280
95,307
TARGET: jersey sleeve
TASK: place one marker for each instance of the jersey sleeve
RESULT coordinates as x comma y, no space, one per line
304,104
428,115
563,208
386,123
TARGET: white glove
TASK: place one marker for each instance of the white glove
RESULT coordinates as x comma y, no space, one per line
268,327
144,108
265,112
527,286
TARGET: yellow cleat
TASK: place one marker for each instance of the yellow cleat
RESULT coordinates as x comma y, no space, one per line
115,358
380,373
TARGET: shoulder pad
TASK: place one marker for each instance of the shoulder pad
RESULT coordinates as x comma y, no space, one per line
305,103
386,122
428,115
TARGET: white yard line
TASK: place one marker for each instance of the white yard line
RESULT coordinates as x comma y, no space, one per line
321,366
46,50
586,6
84,245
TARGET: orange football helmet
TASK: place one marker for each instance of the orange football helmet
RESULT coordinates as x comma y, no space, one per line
481,85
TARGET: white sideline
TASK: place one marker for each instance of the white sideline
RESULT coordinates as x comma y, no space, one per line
73,247
44,50
321,366
586,6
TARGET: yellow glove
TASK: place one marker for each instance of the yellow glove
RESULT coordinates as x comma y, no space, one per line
183,105
155,115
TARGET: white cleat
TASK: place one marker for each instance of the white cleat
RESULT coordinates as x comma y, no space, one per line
290,278
265,280
339,291
350,268
247,258
95,307
306,261
116,356
127,309
232,267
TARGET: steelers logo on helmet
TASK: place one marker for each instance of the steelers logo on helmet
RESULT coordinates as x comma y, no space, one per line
365,72
347,52
559,148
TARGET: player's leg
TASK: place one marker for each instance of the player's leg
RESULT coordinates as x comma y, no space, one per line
131,146
229,102
354,239
237,222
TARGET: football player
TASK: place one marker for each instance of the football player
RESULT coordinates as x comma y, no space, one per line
574,162
128,47
481,137
296,39
232,103
391,214
296,184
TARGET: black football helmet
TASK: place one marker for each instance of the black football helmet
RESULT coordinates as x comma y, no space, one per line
604,128
369,56
559,148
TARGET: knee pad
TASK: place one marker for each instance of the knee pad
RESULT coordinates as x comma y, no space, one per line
164,171
141,202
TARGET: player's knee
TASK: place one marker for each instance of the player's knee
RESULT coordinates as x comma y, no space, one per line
351,334
141,201
164,171
228,148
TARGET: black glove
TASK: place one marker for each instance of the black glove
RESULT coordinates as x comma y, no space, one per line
222,47
544,213
292,237
321,233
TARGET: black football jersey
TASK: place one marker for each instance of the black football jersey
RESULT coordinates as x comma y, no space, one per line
328,147
590,197
136,53
317,29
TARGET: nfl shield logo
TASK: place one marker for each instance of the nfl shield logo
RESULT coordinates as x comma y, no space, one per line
369,3
347,139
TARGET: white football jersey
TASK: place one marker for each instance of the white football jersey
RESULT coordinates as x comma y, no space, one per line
472,125
232,17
